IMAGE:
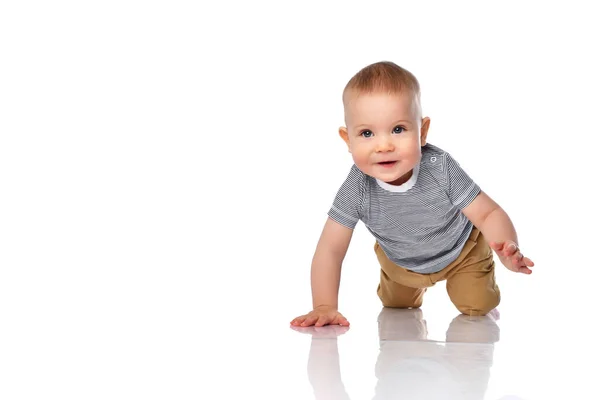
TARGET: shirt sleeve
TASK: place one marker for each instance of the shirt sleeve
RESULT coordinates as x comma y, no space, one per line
461,188
347,205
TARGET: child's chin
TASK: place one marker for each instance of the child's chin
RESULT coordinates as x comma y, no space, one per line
392,179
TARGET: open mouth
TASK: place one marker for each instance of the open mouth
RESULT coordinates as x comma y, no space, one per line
387,163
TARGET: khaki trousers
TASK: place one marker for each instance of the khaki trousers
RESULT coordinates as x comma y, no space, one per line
470,280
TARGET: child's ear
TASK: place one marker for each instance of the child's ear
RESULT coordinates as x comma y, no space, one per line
424,130
344,135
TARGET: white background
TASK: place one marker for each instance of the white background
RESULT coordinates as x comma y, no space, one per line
166,169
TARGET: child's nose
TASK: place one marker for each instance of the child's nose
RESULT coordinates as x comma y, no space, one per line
385,144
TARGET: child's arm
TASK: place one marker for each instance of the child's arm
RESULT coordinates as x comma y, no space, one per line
327,263
497,228
325,276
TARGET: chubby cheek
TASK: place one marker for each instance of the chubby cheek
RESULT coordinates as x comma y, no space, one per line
411,153
361,158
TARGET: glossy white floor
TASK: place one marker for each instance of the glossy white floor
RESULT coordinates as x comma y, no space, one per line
433,353
153,332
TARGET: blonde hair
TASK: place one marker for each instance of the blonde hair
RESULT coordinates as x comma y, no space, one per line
384,76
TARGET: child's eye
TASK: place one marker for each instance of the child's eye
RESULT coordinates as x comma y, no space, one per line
366,133
399,129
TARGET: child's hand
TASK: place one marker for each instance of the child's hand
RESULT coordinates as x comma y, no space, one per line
320,316
511,257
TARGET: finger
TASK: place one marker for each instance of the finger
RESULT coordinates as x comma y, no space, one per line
525,270
323,320
510,249
310,320
340,320
298,320
527,262
517,258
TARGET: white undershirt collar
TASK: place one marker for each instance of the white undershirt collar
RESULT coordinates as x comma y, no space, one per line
405,186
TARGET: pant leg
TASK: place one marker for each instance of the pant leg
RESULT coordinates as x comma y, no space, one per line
471,285
399,287
395,295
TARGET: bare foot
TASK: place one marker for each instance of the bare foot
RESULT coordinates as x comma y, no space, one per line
494,314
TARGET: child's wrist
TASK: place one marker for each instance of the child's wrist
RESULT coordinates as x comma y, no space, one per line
325,306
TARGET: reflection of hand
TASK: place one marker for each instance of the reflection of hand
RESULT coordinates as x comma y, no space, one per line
322,332
324,361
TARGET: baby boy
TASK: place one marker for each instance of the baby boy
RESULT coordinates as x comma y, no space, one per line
431,222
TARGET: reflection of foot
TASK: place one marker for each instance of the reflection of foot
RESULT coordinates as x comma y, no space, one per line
467,329
322,332
402,324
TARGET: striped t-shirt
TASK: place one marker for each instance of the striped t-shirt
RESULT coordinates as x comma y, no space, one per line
419,224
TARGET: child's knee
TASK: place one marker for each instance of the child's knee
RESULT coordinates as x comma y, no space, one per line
401,304
400,299
480,305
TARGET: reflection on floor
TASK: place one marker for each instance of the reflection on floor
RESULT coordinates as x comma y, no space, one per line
409,364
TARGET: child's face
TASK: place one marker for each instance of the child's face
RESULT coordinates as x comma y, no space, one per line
384,133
